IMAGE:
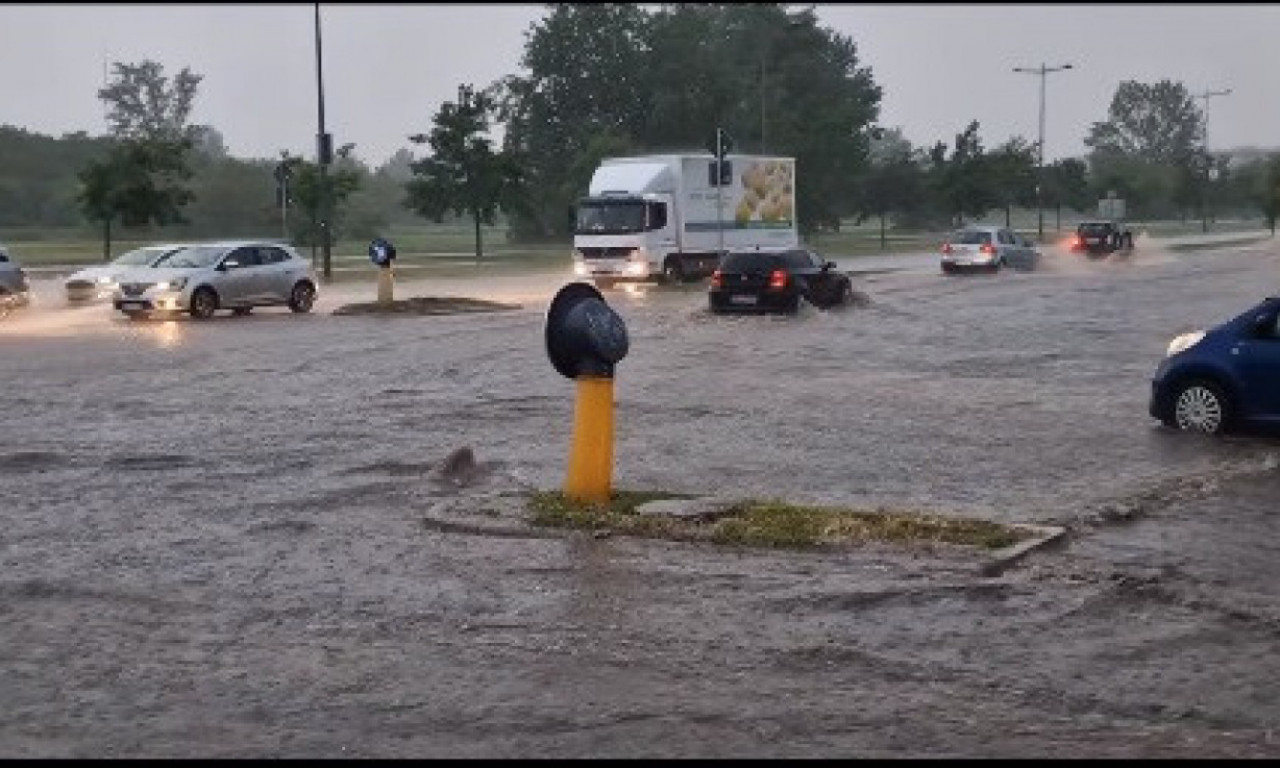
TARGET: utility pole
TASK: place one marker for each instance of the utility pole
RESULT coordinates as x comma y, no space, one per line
1208,169
1042,71
324,153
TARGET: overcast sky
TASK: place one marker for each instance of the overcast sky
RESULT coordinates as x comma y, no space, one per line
387,68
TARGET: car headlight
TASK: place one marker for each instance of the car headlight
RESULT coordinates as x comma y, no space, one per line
1184,342
104,280
176,284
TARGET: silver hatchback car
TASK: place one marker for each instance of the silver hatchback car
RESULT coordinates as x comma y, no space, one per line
201,279
988,248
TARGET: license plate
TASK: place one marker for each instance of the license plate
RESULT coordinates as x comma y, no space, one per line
742,299
132,305
1091,240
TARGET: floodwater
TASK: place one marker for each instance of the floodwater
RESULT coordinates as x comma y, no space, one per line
212,539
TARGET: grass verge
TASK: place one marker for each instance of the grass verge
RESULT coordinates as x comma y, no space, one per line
771,523
424,305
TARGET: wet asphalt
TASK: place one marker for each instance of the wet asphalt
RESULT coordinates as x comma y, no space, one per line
213,539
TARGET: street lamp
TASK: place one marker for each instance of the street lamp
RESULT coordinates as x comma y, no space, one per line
324,154
1204,213
1042,71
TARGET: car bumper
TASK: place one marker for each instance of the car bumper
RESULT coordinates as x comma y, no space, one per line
748,301
151,302
617,271
81,294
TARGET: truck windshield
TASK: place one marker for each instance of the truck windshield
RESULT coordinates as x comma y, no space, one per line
597,217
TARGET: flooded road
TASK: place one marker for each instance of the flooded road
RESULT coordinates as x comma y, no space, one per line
212,539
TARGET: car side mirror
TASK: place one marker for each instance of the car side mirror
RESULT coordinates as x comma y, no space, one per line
830,265
229,264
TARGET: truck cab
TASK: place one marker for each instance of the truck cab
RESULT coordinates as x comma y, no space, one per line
625,236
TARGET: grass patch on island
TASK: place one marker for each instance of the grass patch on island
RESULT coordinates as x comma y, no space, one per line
772,523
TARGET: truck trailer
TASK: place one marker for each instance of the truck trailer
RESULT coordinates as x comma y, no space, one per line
669,218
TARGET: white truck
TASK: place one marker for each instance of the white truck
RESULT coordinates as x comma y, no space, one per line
655,217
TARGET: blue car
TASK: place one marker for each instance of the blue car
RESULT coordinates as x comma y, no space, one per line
1211,381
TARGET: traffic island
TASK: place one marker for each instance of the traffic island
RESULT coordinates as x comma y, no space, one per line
425,305
744,522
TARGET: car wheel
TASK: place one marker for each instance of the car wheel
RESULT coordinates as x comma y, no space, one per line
846,294
948,269
1201,406
204,302
672,272
302,297
241,311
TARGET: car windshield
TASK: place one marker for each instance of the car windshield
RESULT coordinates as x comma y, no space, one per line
194,256
750,262
971,237
138,257
610,218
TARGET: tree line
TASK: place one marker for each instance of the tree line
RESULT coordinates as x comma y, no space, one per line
613,79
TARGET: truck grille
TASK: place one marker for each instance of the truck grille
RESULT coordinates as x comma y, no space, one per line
604,253
79,285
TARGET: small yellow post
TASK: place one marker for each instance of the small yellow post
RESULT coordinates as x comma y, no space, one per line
384,286
591,455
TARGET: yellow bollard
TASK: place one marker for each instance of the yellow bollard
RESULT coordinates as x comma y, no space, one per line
384,286
591,455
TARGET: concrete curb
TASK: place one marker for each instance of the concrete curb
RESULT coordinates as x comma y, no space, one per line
1004,558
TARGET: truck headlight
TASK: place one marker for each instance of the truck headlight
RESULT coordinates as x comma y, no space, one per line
104,280
1184,342
579,268
637,268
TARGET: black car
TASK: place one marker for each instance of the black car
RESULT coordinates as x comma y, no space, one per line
1101,238
763,281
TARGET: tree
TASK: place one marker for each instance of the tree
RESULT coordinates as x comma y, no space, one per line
1066,183
344,177
145,105
138,183
964,181
140,180
894,182
1267,196
463,173
1156,122
1012,172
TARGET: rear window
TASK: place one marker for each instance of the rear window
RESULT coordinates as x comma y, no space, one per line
750,261
1095,229
971,237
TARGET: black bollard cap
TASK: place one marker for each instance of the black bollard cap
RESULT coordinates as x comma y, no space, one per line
585,337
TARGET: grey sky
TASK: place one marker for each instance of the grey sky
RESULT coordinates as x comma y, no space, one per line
387,68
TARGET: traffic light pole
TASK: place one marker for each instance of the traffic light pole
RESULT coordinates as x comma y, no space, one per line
720,191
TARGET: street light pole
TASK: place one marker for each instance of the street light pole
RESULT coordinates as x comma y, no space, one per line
1042,71
1208,187
324,150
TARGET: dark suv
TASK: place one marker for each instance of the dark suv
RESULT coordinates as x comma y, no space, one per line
762,281
1102,238
14,290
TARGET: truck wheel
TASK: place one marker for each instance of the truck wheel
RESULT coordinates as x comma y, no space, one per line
672,272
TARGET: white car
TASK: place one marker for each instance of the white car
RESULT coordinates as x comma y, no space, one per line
201,279
99,282
14,289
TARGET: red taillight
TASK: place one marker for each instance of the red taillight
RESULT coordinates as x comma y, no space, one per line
716,282
946,247
778,278
988,248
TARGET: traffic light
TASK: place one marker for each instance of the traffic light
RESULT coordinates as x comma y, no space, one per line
721,144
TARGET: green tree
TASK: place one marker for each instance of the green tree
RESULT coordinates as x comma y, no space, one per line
139,183
141,180
1012,172
894,182
344,177
964,181
1066,182
143,104
1158,122
463,174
